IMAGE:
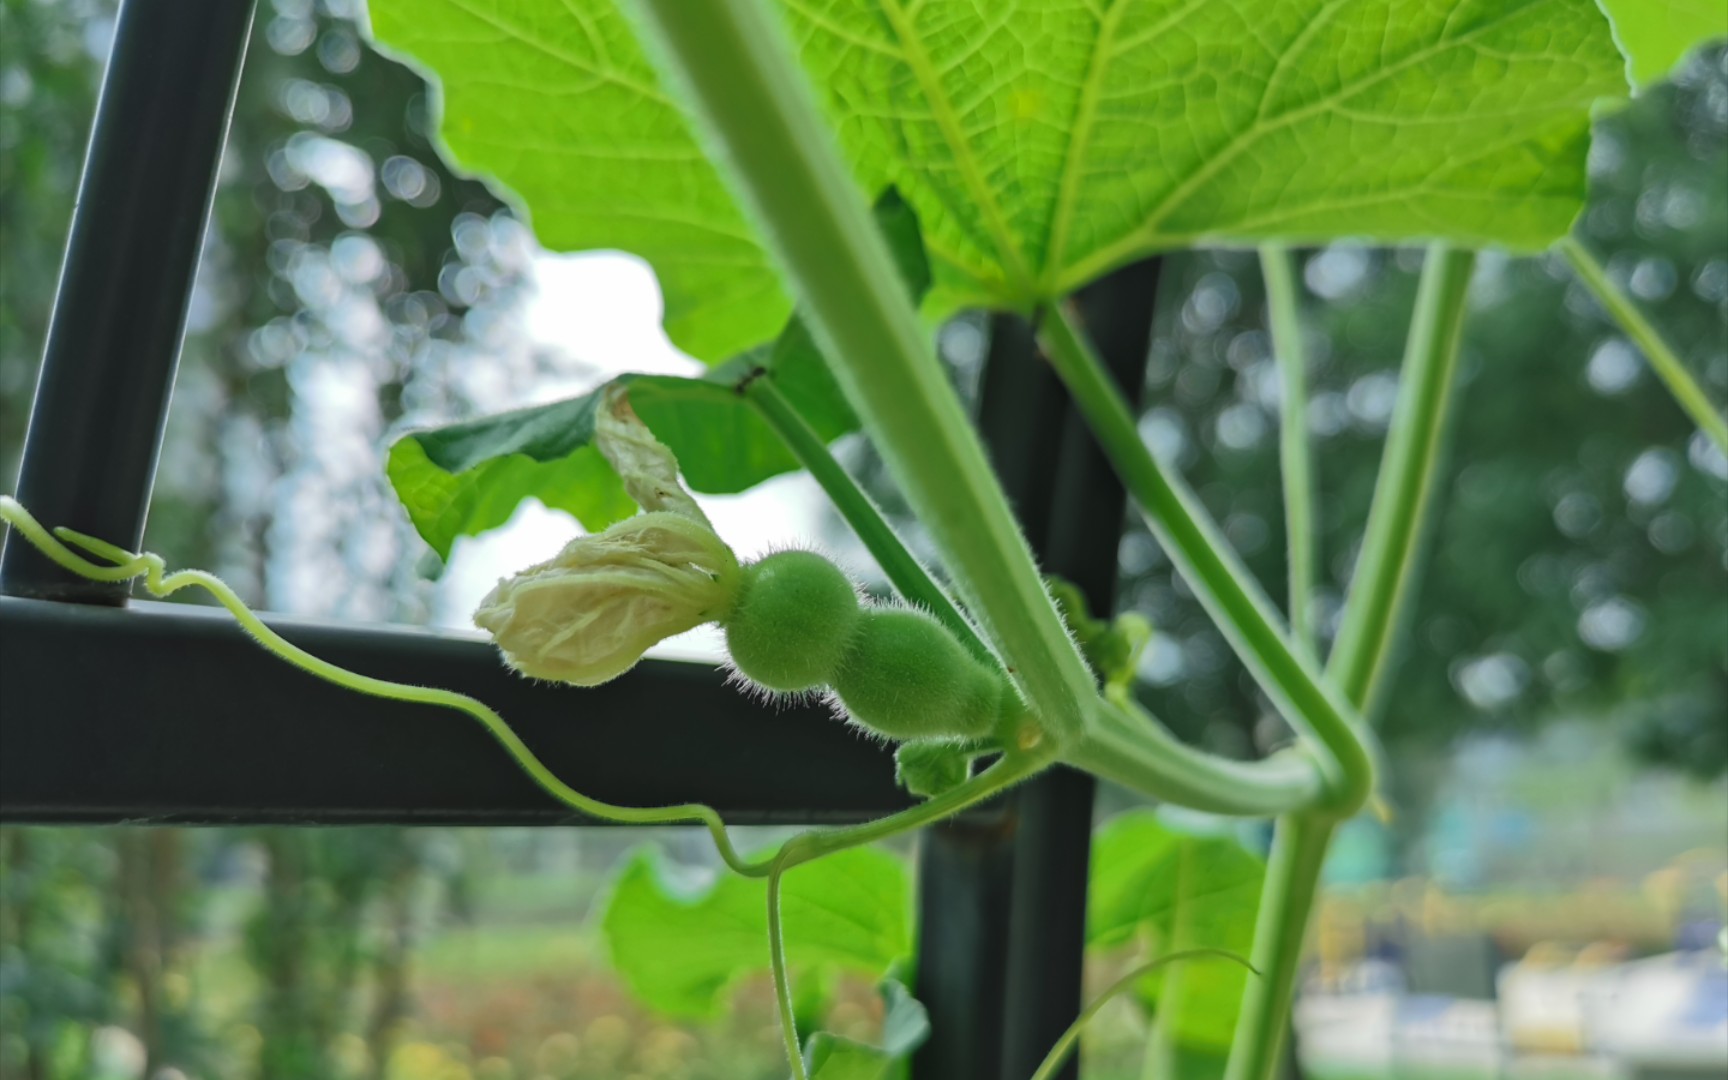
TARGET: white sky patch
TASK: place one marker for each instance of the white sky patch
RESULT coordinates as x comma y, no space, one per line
603,309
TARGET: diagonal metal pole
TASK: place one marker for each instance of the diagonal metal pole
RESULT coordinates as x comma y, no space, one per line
114,340
1002,904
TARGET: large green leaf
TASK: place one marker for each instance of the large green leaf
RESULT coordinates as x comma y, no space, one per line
680,949
463,479
1180,890
1656,35
555,101
1045,143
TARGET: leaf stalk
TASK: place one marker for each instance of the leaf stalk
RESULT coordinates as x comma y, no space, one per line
1278,266
1403,493
756,109
1223,584
1687,392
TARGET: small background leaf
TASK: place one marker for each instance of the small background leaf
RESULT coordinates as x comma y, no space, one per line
680,950
1656,35
463,479
905,1026
1178,890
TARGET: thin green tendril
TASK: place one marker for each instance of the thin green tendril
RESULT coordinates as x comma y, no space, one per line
128,565
1065,1045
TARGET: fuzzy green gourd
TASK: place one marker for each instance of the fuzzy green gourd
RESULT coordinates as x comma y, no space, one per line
906,677
792,622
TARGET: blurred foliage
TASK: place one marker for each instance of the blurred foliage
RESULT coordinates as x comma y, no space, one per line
1174,890
1577,564
50,60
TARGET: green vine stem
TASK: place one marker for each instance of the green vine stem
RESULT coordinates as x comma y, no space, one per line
782,980
1065,1045
1005,772
1278,266
1690,396
1292,881
1228,591
1129,746
1398,515
907,574
1378,594
767,136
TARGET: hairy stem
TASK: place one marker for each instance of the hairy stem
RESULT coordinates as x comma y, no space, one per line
1065,1045
782,981
732,60
1228,591
1398,517
1669,369
908,575
1292,879
1278,265
1004,773
1129,746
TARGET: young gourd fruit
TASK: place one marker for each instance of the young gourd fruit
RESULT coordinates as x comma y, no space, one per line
906,677
792,622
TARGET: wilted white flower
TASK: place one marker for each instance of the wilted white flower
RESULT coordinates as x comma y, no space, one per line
586,616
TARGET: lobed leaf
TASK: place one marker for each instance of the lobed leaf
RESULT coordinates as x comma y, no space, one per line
680,950
1183,891
1046,143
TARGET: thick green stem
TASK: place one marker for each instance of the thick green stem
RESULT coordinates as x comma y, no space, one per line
753,104
904,570
1669,369
1292,879
1398,518
1228,591
1128,746
1279,268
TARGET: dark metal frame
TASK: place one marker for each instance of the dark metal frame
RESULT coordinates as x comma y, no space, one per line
102,723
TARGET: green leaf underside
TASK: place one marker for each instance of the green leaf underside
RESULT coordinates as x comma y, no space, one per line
1045,143
463,479
1656,35
556,102
1180,891
680,950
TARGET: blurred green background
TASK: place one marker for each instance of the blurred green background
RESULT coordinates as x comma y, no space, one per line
1557,738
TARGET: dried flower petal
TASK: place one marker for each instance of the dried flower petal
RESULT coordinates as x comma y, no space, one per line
586,616
644,463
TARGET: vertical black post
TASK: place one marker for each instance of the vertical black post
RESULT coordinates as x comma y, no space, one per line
1000,967
966,870
101,399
